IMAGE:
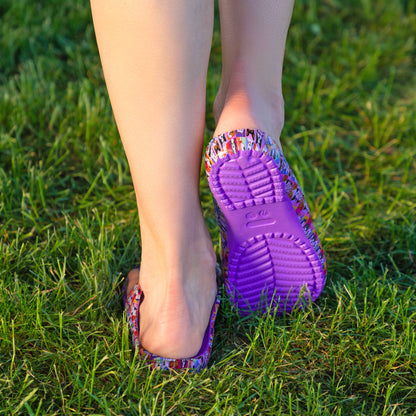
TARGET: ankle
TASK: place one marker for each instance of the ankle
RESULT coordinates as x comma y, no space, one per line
176,261
241,106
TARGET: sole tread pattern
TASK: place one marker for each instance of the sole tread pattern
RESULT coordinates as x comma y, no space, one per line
270,262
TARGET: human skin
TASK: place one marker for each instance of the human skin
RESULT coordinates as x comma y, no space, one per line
155,56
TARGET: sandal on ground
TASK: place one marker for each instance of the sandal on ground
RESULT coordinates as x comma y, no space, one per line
132,302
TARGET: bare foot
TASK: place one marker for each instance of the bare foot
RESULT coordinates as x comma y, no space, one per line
177,303
241,107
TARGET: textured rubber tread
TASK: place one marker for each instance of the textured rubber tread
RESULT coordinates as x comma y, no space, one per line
270,262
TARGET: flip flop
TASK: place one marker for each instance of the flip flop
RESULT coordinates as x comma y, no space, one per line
272,258
196,363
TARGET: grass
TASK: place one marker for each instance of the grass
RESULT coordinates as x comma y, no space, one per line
69,226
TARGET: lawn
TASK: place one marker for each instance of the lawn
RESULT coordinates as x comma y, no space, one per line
69,226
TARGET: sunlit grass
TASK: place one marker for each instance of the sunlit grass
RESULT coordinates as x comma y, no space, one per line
69,227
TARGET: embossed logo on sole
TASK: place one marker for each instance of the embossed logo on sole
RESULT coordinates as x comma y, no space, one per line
260,218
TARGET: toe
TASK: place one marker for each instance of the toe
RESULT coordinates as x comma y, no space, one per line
132,278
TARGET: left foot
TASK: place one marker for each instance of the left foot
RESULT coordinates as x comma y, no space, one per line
177,301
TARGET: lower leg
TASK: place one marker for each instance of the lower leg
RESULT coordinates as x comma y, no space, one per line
253,42
155,57
271,252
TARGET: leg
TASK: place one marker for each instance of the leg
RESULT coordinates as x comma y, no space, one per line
271,253
155,56
253,43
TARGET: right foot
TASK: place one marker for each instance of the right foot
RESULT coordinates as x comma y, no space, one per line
270,248
238,108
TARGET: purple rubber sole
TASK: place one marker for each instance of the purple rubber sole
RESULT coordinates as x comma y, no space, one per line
270,263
